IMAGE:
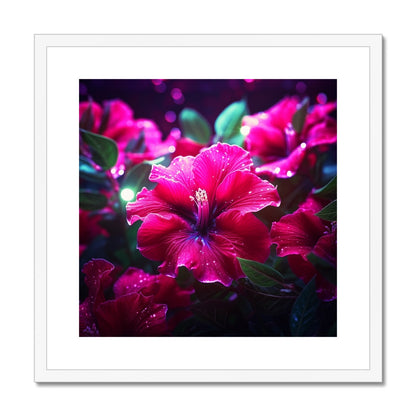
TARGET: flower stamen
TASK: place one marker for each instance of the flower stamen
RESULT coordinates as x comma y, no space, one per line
201,201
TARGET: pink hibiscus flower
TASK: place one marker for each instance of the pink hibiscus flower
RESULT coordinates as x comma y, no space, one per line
270,136
116,121
200,214
164,289
184,146
131,313
301,233
187,147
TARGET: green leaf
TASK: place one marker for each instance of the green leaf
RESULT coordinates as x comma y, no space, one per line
326,269
303,319
104,151
260,274
184,277
329,191
138,177
136,145
228,123
92,200
88,172
238,140
298,119
194,126
329,212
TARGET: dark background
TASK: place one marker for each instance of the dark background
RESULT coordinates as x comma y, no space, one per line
152,99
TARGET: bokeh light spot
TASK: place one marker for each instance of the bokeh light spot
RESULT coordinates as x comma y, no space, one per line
245,130
300,87
127,194
170,116
321,98
175,133
176,94
160,87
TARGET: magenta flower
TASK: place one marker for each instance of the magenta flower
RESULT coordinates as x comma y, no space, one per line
187,147
164,290
200,214
116,121
132,312
301,233
271,137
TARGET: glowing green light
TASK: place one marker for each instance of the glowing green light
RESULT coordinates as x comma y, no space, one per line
127,194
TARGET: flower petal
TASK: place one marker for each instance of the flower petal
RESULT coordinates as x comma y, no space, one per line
266,141
87,326
118,112
97,113
247,234
158,233
147,202
245,192
178,172
213,164
211,260
122,133
132,281
284,168
171,294
312,203
165,199
281,113
131,315
326,247
322,133
172,239
187,147
305,270
165,290
319,113
97,278
297,233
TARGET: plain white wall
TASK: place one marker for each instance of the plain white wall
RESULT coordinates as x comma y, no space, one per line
20,20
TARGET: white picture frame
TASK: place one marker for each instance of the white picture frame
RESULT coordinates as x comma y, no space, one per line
355,355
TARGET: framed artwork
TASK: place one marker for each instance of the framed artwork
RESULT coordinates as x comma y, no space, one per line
219,218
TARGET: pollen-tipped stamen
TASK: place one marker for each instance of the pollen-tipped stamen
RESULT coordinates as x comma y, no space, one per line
201,201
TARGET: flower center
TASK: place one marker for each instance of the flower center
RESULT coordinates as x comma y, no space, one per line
202,204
